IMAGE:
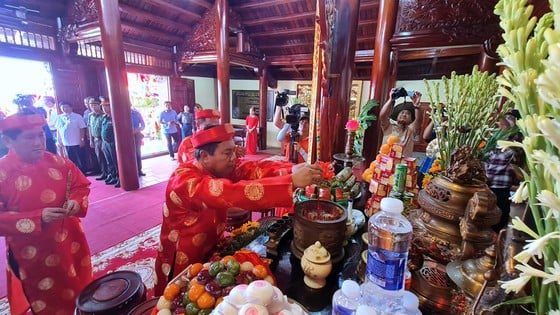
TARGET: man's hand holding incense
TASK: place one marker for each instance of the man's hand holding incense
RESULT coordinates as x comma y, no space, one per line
304,174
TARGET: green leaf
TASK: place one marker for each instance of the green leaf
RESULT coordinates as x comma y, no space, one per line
519,301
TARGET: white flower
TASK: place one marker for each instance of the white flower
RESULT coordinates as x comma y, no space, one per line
551,201
548,83
551,163
554,275
549,128
521,194
515,285
554,312
527,270
535,247
521,226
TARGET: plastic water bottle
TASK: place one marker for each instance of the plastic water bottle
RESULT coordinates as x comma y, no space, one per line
389,239
346,300
411,303
366,310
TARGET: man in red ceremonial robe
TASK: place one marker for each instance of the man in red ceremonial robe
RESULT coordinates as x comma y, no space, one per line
202,118
42,196
201,191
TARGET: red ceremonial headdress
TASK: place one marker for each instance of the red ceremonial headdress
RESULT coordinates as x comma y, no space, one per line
21,121
218,133
207,113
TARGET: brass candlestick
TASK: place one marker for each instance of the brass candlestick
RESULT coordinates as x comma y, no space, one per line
350,136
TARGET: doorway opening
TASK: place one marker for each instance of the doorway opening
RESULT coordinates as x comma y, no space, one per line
22,76
147,94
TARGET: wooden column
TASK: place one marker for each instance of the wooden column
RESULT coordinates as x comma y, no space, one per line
111,36
222,54
488,57
263,96
340,50
380,73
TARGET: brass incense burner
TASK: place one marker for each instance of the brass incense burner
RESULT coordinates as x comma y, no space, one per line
453,225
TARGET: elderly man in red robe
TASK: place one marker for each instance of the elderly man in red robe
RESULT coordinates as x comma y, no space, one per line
202,118
200,193
42,196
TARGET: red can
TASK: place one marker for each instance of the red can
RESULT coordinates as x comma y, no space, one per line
338,194
325,193
310,191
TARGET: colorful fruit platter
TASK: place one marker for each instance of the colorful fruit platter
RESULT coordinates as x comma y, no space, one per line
338,188
202,288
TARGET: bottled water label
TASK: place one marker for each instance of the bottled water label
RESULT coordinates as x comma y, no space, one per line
387,268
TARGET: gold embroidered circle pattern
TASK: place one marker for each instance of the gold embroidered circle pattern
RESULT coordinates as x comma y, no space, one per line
52,260
25,225
199,239
175,198
38,306
254,191
48,196
45,284
28,252
86,261
191,185
71,271
68,294
216,187
3,175
23,183
55,174
75,247
258,172
60,236
59,160
165,268
190,220
165,210
173,236
181,258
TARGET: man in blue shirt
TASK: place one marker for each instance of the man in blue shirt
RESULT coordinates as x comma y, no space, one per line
138,126
168,120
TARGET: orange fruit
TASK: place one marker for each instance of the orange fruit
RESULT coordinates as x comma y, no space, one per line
195,291
171,291
227,259
194,269
393,139
260,271
385,148
205,300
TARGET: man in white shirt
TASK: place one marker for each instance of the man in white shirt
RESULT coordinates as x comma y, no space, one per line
71,132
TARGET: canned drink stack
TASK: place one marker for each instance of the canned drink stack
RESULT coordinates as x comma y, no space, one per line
399,178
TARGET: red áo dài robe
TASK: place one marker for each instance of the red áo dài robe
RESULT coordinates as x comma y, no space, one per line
53,259
252,136
196,205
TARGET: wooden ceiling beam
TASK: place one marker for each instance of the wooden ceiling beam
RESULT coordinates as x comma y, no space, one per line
144,15
264,4
287,32
174,8
433,52
280,19
284,45
150,32
202,3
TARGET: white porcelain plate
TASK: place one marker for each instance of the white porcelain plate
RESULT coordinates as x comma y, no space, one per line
359,218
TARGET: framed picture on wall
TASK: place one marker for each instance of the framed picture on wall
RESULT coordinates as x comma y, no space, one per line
304,97
241,101
303,93
355,100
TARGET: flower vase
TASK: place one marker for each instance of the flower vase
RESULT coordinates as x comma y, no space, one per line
349,150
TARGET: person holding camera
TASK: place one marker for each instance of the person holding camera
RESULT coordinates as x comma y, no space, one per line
401,120
295,135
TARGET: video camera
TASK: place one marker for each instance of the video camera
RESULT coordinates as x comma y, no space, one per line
401,92
295,113
282,97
